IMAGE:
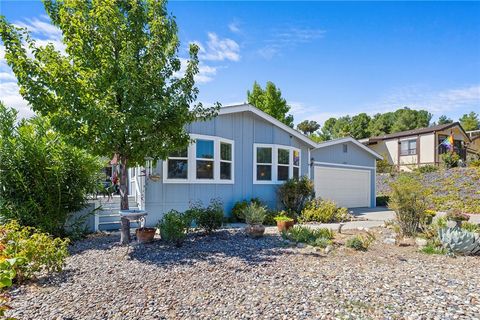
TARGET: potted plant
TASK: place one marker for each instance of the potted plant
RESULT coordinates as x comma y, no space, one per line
255,215
284,222
145,235
457,216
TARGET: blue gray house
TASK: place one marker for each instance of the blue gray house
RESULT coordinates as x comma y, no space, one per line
245,153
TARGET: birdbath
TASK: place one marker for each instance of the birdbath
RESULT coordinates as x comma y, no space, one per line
127,216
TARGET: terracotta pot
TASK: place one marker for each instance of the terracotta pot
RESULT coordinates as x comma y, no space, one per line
255,230
145,235
284,225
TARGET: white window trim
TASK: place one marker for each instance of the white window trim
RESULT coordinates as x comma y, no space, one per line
408,141
192,163
275,148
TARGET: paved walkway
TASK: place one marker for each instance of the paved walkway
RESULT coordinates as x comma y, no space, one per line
374,217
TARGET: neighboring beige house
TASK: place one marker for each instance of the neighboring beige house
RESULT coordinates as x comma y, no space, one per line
412,148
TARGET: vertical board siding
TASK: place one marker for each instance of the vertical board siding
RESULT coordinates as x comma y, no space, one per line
244,129
334,154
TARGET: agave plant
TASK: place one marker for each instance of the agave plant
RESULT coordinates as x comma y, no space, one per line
457,240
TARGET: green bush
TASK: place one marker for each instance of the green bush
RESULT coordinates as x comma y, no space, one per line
32,250
426,168
384,166
207,218
270,218
295,193
432,248
474,163
174,227
408,201
361,242
254,213
324,211
471,227
238,207
43,180
315,237
450,159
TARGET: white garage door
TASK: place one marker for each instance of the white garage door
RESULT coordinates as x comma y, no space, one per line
347,187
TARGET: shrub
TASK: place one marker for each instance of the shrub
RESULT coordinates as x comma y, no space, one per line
384,166
407,199
432,248
457,215
239,206
474,163
324,211
426,168
294,193
313,237
43,180
361,242
254,213
450,159
174,227
209,218
270,218
32,250
382,200
282,216
471,227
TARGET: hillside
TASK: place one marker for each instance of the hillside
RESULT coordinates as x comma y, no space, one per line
454,188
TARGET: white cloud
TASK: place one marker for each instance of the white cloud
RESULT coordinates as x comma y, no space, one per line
205,73
41,27
234,27
218,49
282,39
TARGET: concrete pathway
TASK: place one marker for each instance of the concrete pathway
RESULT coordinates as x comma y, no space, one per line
374,217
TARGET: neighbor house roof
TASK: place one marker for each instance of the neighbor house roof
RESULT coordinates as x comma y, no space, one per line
415,132
248,107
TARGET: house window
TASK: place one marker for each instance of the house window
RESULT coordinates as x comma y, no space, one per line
275,164
345,148
225,161
408,147
177,165
208,159
204,159
264,164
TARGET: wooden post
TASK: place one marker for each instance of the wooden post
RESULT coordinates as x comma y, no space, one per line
125,231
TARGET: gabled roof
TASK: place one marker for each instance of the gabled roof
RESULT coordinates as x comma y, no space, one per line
415,132
352,140
248,107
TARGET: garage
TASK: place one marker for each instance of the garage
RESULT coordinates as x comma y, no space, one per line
348,187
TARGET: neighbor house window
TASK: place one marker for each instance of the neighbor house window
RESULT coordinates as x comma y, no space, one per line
408,147
177,165
275,163
208,159
345,148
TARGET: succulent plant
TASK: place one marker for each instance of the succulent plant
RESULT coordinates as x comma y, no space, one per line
457,240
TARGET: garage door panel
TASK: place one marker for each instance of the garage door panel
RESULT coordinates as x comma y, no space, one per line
347,187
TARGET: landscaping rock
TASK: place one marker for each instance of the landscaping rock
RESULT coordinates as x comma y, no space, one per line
230,276
389,241
420,242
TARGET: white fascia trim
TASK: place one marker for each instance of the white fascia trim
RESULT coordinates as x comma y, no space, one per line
343,165
191,158
269,118
349,139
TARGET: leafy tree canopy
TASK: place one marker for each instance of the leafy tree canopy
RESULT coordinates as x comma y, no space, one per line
470,121
117,88
443,119
308,126
270,101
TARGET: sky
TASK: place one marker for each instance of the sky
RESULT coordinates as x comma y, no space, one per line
329,59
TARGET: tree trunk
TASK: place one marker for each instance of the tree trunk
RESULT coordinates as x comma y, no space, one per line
123,183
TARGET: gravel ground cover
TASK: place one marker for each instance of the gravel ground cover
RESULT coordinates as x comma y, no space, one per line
230,276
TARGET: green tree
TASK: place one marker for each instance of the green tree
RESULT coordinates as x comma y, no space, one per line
43,179
116,90
342,127
443,119
270,101
327,129
470,121
408,119
359,126
308,126
381,123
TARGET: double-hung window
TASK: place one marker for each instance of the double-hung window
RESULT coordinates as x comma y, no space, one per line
207,159
275,164
408,147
